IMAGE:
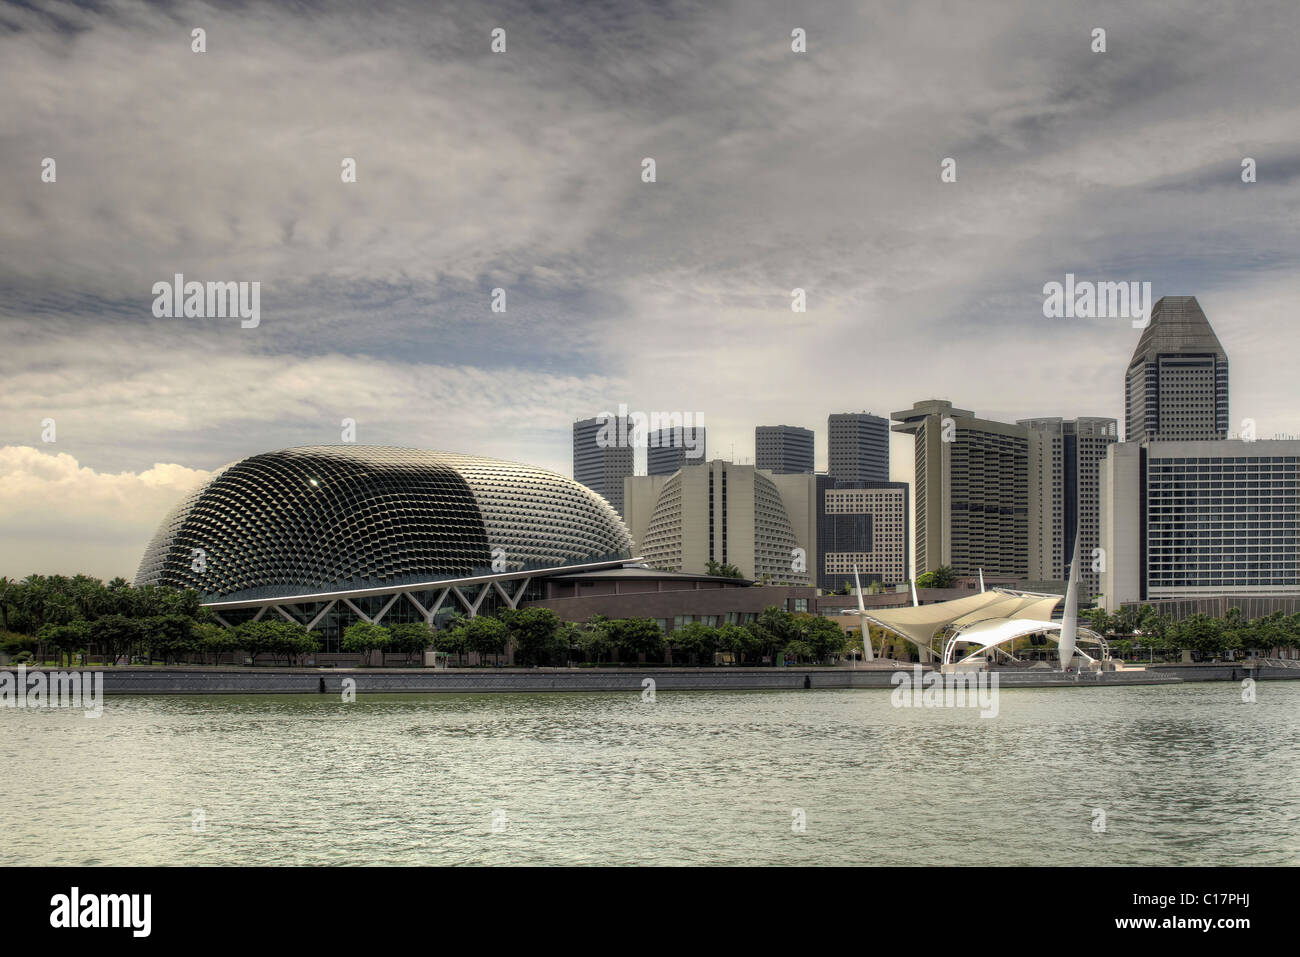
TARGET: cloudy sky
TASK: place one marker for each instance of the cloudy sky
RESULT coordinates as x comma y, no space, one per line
522,170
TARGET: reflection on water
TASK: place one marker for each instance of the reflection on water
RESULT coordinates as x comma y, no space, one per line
1185,775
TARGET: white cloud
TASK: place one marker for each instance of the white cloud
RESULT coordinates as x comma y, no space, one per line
60,517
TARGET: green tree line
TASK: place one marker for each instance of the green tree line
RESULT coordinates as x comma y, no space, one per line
539,637
115,621
1204,636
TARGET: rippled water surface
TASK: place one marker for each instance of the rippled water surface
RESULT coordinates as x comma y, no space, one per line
1184,775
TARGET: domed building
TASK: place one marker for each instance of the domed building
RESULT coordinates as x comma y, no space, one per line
327,535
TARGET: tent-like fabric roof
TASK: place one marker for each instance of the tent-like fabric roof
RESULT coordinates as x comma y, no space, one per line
918,623
1039,608
999,631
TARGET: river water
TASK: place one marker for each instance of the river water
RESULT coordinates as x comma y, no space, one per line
1186,774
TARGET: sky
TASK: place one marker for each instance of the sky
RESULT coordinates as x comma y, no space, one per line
522,170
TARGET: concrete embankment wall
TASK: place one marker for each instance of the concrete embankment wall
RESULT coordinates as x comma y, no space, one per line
396,681
1225,672
471,681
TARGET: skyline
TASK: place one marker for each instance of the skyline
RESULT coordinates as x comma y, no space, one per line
521,171
165,479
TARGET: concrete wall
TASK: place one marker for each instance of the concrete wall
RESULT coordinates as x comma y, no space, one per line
376,681
1226,671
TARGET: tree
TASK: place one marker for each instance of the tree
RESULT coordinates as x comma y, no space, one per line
535,633
486,636
738,640
9,598
721,570
798,649
774,629
287,638
168,636
1236,632
1125,621
255,638
120,597
291,639
569,640
213,639
1201,634
362,638
633,637
594,640
411,637
452,640
1097,619
90,597
14,644
115,634
68,639
1273,631
823,636
696,639
941,577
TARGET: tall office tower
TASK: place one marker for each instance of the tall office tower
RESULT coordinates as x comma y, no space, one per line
861,525
730,514
670,449
1065,496
1047,499
603,453
783,448
972,490
1176,387
858,446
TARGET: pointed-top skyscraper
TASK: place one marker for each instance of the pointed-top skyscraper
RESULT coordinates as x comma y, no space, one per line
1176,387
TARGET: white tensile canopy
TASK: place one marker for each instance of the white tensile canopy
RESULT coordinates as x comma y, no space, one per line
919,623
997,632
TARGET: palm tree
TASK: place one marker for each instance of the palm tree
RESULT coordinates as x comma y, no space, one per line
89,595
10,593
32,598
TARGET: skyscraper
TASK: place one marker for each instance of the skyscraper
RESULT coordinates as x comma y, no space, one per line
783,448
858,447
1176,387
603,455
669,449
972,490
1189,517
861,525
1065,495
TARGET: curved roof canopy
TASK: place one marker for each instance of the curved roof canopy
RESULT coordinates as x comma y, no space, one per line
919,623
998,631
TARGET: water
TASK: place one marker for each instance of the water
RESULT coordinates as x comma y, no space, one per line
1185,775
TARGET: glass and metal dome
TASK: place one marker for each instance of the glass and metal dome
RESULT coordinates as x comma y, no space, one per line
333,518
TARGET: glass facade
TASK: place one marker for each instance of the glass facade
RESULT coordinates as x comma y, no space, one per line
1221,522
